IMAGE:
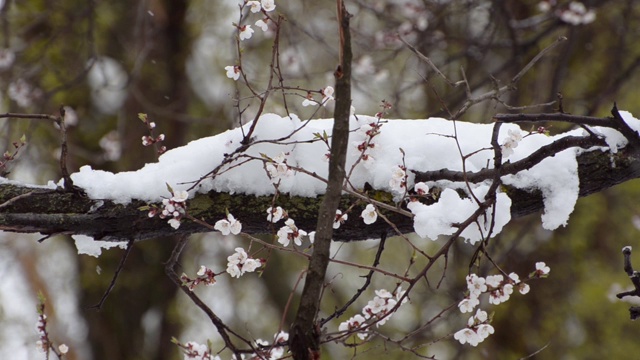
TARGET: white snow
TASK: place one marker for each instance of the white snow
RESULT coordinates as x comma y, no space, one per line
87,245
428,145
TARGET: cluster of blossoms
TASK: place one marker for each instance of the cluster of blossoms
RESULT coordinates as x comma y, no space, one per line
228,226
205,276
368,132
499,289
510,143
369,215
327,96
477,329
150,139
575,14
240,263
271,352
175,208
398,182
193,350
245,32
9,156
277,168
44,344
377,311
290,232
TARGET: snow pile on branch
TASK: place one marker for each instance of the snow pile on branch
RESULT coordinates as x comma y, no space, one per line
284,146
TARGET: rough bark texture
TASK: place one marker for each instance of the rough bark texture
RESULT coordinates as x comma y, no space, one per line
54,212
305,335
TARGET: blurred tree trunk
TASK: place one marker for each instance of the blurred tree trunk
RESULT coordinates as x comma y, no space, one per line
160,46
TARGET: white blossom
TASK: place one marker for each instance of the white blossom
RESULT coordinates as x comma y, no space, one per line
494,281
369,214
421,188
233,72
180,196
274,215
476,285
228,226
484,330
290,232
254,6
245,33
542,269
467,335
327,95
175,223
468,304
262,24
340,219
268,5
240,263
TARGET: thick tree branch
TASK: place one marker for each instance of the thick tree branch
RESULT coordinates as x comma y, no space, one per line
55,212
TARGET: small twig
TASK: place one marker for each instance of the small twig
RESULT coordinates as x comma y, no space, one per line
15,198
223,329
625,129
68,183
123,259
634,276
537,58
376,262
433,66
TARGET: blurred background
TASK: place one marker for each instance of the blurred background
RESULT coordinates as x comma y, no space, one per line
107,61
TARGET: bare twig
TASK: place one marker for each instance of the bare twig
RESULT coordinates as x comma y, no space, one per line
123,259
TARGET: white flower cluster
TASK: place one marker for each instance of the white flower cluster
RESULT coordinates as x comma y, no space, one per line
575,14
327,95
193,350
398,182
205,276
365,146
240,263
228,226
175,208
477,329
277,168
273,352
510,143
377,311
290,232
499,289
245,32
